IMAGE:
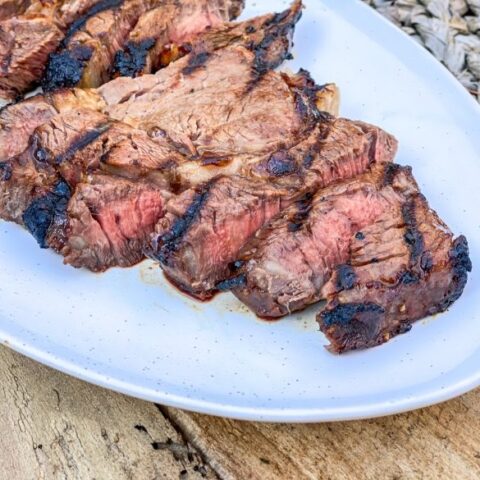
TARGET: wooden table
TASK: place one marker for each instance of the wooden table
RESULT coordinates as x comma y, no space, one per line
57,427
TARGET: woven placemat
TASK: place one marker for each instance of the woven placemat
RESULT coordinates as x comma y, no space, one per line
450,29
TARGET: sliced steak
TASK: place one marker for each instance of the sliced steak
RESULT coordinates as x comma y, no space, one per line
287,264
37,186
204,107
108,222
27,40
25,44
403,267
161,35
334,149
206,227
198,261
214,112
156,41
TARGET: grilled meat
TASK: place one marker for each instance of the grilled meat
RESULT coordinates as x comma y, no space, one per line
371,247
174,80
404,267
48,188
219,217
156,42
85,60
206,227
167,32
108,222
287,263
27,40
10,8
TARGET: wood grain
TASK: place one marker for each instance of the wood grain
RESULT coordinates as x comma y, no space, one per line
57,427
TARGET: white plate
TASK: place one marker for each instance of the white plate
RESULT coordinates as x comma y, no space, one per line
129,331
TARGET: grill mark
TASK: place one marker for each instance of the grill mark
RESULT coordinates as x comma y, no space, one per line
131,61
81,21
346,277
172,240
44,211
304,207
82,142
5,171
232,283
275,31
195,62
281,163
65,68
413,238
344,314
409,277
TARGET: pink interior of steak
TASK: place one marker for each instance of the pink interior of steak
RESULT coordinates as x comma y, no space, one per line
404,267
109,222
207,227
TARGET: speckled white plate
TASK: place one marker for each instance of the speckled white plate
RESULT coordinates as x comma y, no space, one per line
128,330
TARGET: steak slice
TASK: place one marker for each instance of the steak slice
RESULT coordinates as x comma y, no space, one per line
206,227
285,267
156,41
205,108
162,34
216,219
84,58
54,173
108,222
27,40
25,44
403,267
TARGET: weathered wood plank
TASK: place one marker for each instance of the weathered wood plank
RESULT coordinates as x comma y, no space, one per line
56,427
441,442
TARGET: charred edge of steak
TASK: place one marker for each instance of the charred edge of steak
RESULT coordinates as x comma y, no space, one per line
45,210
171,240
80,22
281,163
413,237
81,142
196,61
303,208
391,171
65,68
345,314
462,265
346,277
131,61
235,282
5,171
277,27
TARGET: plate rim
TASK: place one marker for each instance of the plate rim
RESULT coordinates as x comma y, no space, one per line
291,415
